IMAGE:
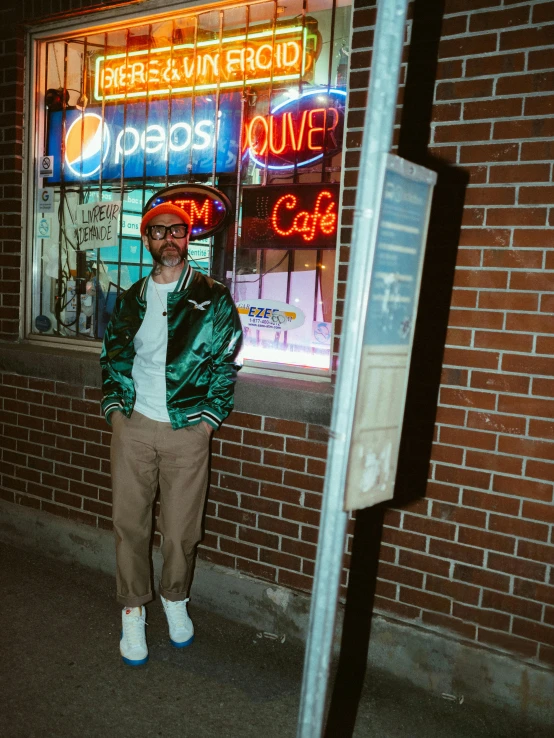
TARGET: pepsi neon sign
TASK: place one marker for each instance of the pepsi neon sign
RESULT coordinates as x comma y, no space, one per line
208,209
290,216
138,140
298,132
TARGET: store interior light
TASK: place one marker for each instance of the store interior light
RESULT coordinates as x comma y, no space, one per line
56,98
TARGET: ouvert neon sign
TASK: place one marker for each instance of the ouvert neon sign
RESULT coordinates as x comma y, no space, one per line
283,54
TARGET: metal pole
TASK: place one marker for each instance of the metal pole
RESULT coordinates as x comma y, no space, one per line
377,138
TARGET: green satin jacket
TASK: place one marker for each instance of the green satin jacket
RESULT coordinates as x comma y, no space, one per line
204,335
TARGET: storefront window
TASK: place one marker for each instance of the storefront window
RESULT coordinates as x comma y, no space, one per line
249,100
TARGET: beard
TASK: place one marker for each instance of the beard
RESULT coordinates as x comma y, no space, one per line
169,254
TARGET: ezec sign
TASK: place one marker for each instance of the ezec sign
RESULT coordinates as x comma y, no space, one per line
282,54
294,216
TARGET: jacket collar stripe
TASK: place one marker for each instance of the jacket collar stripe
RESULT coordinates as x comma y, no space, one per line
185,279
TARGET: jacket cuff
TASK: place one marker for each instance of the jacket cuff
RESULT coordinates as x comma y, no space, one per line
109,406
212,418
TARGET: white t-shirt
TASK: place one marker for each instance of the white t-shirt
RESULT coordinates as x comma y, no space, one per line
151,351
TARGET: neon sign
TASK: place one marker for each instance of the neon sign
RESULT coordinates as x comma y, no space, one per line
290,216
297,132
283,54
134,141
208,208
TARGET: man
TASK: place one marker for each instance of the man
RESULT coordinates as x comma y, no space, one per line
168,371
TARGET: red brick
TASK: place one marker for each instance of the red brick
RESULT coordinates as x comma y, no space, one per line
527,83
471,358
454,376
491,501
462,132
239,484
244,517
456,552
535,551
496,422
481,279
487,618
522,488
494,462
507,301
524,38
294,580
536,511
285,427
468,45
541,429
281,527
490,237
475,319
464,89
540,470
284,460
425,600
440,620
543,12
447,454
499,19
534,591
533,238
482,578
545,345
458,337
510,173
547,302
527,364
486,540
493,108
245,453
503,341
404,539
442,492
500,382
537,150
540,59
429,527
517,405
507,642
450,416
406,612
453,589
486,153
400,575
526,447
458,514
519,528
537,194
488,195
533,631
463,437
264,440
447,112
462,477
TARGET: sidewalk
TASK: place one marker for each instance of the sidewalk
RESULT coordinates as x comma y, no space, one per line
61,675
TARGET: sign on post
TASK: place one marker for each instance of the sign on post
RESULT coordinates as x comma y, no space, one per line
388,332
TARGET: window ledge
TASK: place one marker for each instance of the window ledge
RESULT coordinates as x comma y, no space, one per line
277,397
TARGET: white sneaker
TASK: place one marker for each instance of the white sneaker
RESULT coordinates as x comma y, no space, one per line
132,646
181,629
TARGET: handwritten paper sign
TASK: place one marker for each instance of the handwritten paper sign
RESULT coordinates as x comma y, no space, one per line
97,224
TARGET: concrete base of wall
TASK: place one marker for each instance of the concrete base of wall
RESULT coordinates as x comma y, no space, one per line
424,658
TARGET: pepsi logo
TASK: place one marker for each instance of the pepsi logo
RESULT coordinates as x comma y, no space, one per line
87,144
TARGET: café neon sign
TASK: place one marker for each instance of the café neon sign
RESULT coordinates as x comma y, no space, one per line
276,55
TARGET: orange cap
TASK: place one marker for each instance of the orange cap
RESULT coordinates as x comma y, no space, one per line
161,209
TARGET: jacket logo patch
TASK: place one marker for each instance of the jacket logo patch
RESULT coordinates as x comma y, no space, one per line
200,306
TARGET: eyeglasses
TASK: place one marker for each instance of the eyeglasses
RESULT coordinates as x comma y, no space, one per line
159,232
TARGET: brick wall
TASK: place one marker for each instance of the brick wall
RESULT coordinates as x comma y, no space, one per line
474,557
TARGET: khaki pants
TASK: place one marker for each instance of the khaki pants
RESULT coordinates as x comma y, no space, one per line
145,453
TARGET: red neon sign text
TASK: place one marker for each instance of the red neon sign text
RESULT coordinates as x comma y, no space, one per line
286,133
307,224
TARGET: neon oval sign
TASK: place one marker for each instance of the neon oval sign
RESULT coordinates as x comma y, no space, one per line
297,132
208,208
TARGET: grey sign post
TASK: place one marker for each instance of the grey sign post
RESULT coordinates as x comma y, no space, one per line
357,333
